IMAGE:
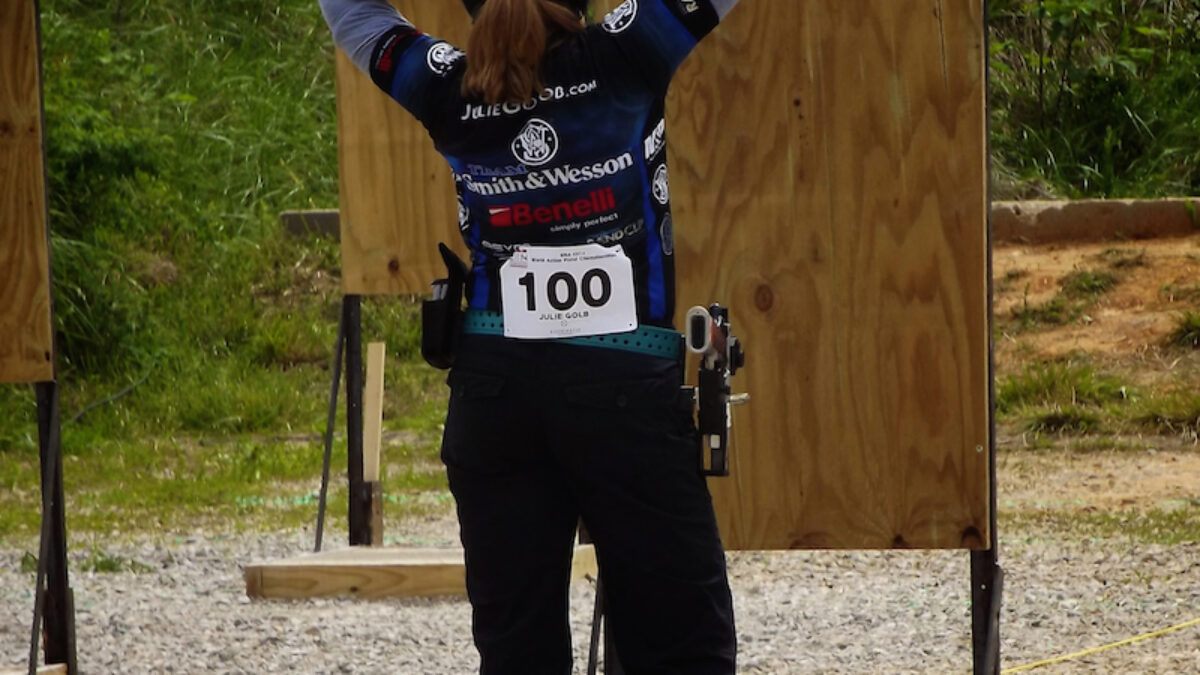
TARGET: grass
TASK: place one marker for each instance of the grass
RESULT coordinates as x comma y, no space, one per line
1120,258
1088,284
1071,398
1165,525
1174,413
1187,331
1078,291
1058,384
206,436
1066,420
238,484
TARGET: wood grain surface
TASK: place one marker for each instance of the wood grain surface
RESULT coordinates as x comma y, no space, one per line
376,573
829,176
828,180
26,338
397,195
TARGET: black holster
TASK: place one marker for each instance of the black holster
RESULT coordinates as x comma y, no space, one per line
442,315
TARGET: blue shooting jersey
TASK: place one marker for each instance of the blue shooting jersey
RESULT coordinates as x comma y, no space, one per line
583,162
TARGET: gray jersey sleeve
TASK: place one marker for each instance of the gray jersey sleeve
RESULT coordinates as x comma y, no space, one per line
358,24
723,7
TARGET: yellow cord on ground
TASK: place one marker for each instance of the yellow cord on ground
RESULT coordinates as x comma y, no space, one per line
1088,652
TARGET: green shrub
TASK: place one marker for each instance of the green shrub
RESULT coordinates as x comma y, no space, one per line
173,128
1096,97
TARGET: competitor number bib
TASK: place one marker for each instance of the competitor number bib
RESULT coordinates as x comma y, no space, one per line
565,291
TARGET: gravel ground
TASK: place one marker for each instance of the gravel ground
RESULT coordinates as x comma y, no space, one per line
801,612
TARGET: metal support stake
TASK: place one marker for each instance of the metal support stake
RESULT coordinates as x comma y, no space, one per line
339,349
56,601
359,497
987,585
987,578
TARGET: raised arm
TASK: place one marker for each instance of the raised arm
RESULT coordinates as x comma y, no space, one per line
358,25
723,7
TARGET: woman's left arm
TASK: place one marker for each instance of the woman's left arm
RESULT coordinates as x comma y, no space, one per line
358,25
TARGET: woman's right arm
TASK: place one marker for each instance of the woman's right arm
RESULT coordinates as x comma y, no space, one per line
358,25
402,61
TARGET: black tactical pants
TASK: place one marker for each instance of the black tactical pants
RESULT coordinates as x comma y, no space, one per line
541,434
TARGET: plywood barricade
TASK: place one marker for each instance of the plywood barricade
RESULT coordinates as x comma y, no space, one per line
829,185
397,196
26,353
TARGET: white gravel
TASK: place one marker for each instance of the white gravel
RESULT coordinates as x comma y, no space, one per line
801,612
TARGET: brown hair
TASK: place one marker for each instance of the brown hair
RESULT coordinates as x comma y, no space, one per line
507,45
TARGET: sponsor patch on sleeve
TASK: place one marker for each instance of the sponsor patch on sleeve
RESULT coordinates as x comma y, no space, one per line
699,16
385,60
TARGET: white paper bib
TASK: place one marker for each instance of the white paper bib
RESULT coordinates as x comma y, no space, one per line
565,291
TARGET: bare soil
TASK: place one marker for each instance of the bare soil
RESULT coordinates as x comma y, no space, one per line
1158,280
1124,331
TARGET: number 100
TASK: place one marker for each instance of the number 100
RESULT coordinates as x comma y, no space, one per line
563,291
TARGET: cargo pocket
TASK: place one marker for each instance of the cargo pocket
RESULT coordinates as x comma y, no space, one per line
467,385
477,421
643,406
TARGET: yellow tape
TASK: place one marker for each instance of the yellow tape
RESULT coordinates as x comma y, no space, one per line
1088,652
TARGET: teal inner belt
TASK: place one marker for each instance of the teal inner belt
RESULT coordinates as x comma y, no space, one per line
648,340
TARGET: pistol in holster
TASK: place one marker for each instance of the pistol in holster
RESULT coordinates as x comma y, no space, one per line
442,315
721,356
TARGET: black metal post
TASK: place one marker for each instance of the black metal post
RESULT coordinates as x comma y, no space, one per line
359,498
987,584
987,578
339,349
57,602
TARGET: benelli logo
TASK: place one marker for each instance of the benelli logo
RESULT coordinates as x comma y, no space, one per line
622,17
442,56
541,179
519,215
656,140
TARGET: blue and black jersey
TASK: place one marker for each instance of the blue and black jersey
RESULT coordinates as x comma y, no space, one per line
584,162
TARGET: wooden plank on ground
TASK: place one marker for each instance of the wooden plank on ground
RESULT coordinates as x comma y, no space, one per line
838,204
59,669
374,573
26,344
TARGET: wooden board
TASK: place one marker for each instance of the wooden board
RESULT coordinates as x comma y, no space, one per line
26,342
829,185
373,573
60,669
397,195
838,204
373,411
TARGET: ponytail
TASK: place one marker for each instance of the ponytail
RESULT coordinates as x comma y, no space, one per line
507,45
